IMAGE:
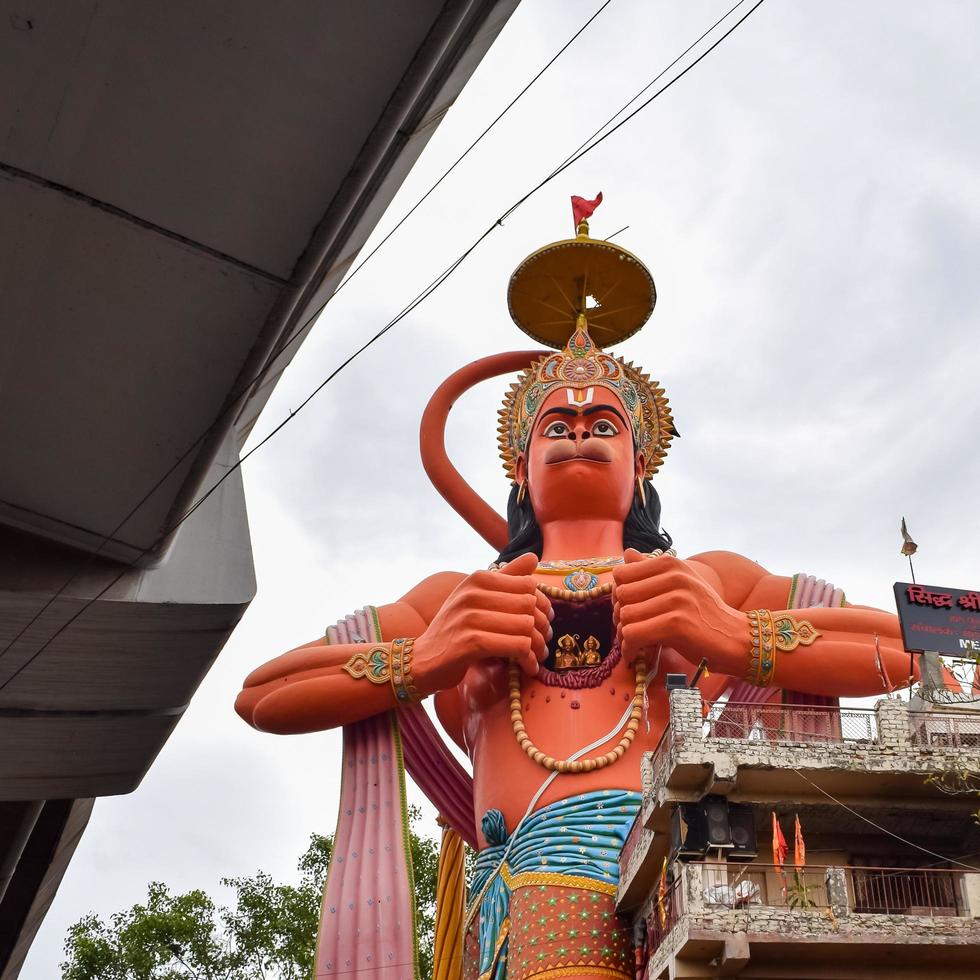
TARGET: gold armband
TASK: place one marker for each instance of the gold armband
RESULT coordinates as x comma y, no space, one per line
402,682
389,663
770,635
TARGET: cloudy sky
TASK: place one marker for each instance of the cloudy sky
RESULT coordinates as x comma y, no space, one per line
809,204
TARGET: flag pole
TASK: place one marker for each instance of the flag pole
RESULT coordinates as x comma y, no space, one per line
909,548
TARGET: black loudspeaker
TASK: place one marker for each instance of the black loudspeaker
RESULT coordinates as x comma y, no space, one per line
741,818
687,831
718,831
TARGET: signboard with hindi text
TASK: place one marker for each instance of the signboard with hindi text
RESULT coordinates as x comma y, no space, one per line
940,619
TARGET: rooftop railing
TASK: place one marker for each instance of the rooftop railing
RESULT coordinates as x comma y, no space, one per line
945,729
792,723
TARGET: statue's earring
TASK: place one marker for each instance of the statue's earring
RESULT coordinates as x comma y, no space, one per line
641,491
521,490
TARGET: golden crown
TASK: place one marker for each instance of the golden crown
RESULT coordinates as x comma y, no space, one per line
561,295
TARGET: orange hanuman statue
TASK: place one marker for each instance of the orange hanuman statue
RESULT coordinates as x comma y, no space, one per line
548,668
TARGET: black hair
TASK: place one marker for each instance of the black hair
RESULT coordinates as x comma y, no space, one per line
641,529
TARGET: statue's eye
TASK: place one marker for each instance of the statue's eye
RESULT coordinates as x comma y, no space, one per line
557,430
604,429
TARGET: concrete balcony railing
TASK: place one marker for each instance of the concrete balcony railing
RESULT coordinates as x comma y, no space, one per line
730,911
751,744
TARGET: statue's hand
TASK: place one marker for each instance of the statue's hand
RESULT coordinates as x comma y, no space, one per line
664,600
490,614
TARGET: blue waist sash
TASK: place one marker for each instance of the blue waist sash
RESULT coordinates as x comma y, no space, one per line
574,839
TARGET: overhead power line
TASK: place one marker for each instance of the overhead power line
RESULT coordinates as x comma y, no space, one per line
884,830
412,305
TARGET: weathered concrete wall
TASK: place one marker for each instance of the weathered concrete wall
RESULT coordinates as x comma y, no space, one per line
835,924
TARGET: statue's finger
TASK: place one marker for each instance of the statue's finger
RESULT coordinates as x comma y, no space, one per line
524,565
657,583
544,604
542,625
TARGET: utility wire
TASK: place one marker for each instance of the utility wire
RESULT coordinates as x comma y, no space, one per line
441,278
656,78
233,400
360,265
643,105
884,830
421,297
466,152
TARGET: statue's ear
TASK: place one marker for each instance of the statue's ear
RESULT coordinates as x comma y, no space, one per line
520,469
641,466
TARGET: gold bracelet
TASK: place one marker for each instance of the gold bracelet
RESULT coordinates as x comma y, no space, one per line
402,682
770,634
375,665
762,655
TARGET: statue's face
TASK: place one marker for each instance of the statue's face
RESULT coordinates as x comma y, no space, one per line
580,461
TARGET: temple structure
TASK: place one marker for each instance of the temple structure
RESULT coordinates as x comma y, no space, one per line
888,884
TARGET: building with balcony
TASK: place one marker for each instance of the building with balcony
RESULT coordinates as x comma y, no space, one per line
890,886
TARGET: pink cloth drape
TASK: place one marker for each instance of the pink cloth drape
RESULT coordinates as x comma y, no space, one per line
367,927
446,784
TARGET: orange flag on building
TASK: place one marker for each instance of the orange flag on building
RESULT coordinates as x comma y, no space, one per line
799,846
778,843
662,895
909,547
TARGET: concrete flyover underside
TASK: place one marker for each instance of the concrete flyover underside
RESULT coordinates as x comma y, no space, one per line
181,186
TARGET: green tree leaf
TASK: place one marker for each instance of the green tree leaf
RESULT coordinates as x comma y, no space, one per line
267,933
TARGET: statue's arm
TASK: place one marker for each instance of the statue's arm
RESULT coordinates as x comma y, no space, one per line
859,651
454,619
307,689
698,607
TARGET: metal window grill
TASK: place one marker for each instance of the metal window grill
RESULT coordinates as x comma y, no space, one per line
905,891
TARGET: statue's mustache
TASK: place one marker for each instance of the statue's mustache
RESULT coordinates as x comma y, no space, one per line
564,450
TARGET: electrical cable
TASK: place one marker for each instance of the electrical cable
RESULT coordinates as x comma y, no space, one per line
884,830
421,297
466,152
232,401
656,78
643,105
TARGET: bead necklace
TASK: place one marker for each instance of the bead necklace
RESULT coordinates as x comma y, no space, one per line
579,765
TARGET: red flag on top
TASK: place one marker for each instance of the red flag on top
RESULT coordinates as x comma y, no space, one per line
583,209
799,846
778,843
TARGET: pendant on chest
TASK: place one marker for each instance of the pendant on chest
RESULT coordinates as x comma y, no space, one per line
583,635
